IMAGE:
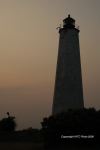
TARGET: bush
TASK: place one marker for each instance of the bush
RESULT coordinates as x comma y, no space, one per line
73,122
8,124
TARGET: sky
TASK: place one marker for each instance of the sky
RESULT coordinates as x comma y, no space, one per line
28,55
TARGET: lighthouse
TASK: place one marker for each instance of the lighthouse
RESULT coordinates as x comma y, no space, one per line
68,90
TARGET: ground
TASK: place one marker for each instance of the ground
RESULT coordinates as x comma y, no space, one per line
34,146
20,146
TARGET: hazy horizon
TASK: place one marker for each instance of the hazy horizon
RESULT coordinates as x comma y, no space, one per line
28,55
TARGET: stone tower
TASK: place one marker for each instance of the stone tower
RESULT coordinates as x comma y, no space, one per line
68,92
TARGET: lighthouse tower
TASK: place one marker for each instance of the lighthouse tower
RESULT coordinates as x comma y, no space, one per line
68,92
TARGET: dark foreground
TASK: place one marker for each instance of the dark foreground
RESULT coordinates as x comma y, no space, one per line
38,146
82,126
20,146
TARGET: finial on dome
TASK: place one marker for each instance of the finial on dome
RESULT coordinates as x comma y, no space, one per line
68,15
69,22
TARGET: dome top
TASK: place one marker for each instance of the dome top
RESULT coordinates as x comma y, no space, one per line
69,22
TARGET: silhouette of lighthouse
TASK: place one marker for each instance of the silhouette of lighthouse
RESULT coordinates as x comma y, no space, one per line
68,92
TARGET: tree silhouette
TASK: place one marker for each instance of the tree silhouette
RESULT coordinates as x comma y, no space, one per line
8,124
73,122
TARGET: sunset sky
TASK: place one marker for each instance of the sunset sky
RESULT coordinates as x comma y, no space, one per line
28,55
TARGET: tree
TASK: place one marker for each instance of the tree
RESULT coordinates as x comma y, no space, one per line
8,124
73,122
